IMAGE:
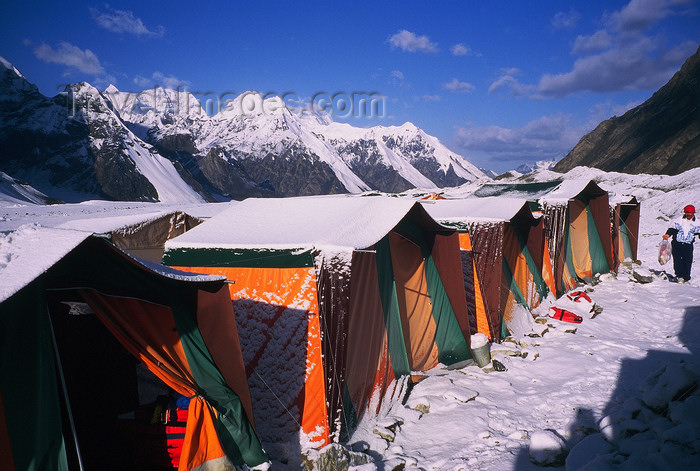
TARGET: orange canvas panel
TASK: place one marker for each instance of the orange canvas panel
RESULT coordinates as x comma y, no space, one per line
446,255
520,271
148,324
7,461
197,448
414,303
482,323
270,301
509,304
547,270
578,227
368,371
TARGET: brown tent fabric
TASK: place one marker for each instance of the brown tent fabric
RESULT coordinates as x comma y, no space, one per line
334,295
147,240
487,242
555,228
599,204
367,338
142,333
478,321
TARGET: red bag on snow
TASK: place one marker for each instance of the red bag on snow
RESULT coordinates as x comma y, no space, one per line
579,297
564,315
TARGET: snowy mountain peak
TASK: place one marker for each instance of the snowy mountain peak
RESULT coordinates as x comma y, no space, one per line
153,102
252,104
111,89
7,65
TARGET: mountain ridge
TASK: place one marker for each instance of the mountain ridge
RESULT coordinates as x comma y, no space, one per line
160,145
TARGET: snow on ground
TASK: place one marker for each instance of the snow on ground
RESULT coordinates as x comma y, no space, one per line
593,396
600,395
562,387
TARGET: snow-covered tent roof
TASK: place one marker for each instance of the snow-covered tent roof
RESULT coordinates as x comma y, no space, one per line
31,250
106,224
616,199
569,189
305,222
491,208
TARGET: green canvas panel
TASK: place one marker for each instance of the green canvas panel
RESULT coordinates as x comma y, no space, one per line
28,383
233,428
569,259
390,306
253,258
599,259
452,346
349,417
625,236
513,285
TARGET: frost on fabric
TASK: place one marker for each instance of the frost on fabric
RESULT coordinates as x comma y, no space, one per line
275,344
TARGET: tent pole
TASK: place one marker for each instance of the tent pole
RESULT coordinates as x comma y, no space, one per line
65,390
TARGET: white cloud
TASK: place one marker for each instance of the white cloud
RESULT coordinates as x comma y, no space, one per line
563,20
639,15
71,56
408,41
431,98
161,80
509,81
397,74
121,21
548,137
168,81
634,66
624,55
598,41
460,50
456,86
142,82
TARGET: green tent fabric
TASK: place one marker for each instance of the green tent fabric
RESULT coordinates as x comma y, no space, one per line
598,254
390,305
30,393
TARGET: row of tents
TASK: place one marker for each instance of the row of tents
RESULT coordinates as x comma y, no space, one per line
283,320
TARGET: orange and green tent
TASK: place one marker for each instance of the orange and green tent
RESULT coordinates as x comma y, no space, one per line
508,243
577,218
335,298
180,325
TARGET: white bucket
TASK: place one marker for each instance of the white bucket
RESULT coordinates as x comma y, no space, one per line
480,349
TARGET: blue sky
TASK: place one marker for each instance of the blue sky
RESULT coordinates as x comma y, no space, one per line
500,82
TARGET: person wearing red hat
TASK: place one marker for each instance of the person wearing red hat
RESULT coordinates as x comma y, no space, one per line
683,232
